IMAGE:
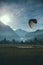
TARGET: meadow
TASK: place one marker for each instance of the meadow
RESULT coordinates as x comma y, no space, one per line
12,55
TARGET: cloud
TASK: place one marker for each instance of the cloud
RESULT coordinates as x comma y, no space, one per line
14,11
20,11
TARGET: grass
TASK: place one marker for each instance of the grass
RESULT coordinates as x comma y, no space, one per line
12,50
11,55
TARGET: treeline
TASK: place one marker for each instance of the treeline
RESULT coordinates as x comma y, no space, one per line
32,42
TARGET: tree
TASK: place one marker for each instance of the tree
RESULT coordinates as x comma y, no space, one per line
4,41
13,41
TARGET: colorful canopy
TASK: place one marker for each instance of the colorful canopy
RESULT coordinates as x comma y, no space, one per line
31,22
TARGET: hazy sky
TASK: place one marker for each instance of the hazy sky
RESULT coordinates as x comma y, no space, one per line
20,11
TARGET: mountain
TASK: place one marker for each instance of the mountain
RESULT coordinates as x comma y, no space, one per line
18,35
37,34
29,35
7,32
21,33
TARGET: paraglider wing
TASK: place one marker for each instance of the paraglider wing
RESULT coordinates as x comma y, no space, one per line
31,22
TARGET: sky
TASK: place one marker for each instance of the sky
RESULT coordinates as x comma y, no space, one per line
20,11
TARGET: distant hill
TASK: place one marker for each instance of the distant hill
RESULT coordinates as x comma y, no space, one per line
7,32
30,35
37,34
21,33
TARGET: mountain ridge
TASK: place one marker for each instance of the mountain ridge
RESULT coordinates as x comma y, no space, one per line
7,32
19,34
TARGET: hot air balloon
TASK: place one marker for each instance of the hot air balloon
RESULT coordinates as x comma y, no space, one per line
31,22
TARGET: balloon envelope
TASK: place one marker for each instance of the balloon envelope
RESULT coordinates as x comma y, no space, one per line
31,22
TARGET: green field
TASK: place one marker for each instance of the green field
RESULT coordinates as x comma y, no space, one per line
12,55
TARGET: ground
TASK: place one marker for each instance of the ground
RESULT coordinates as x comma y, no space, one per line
12,55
